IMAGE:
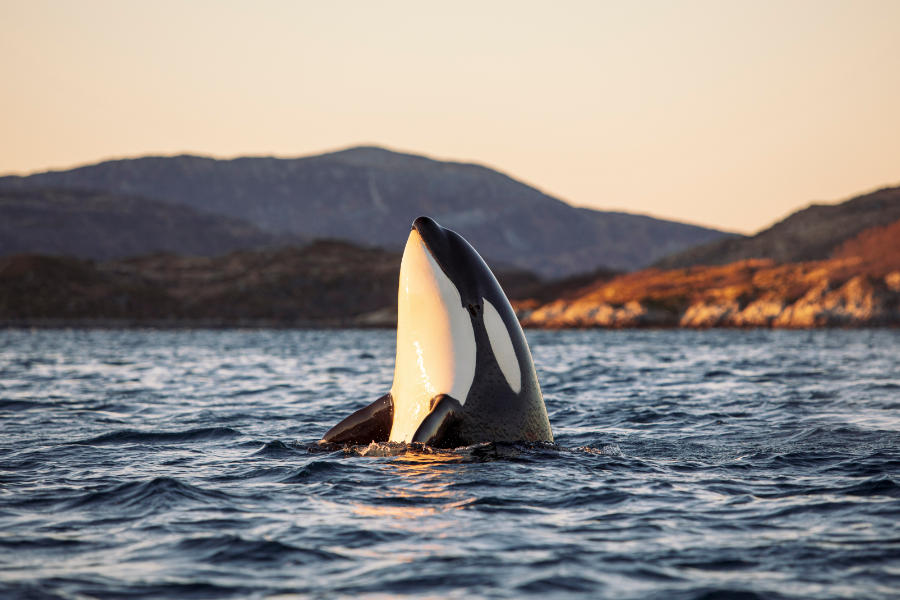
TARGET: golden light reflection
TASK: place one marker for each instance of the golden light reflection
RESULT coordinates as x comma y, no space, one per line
423,488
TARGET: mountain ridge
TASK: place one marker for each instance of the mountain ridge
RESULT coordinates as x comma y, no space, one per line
811,233
370,195
103,226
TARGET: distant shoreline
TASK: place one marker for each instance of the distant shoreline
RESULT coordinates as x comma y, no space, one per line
266,324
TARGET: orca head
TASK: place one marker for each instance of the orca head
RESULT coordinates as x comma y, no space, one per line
447,298
460,262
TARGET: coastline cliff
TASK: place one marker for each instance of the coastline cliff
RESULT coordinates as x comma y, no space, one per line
858,287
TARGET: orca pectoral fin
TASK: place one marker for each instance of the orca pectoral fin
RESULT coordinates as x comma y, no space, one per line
440,428
370,424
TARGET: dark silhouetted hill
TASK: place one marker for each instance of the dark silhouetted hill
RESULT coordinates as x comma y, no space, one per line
813,233
105,225
369,196
326,283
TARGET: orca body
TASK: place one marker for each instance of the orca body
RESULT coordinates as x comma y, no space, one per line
463,372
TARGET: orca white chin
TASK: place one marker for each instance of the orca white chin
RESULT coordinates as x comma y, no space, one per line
435,340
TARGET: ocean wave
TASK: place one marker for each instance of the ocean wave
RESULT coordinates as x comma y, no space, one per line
157,493
279,448
232,548
20,404
318,470
131,436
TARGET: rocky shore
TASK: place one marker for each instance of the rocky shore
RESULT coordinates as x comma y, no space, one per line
858,287
752,295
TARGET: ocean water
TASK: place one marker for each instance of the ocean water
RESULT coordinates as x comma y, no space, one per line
183,464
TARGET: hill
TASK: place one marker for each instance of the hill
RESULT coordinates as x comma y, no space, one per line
369,196
104,225
326,283
858,286
813,233
336,284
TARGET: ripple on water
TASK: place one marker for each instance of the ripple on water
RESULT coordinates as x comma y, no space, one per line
156,494
235,549
129,436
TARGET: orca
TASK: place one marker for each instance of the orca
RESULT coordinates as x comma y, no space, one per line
463,372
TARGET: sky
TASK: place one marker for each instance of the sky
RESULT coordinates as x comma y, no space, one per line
728,113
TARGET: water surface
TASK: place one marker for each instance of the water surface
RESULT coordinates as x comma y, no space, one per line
720,464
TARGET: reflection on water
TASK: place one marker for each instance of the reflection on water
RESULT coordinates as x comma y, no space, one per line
422,485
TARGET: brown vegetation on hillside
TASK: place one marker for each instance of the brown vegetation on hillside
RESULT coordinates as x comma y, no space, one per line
325,284
877,248
859,286
806,235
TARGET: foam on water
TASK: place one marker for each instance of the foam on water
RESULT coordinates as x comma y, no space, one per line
687,465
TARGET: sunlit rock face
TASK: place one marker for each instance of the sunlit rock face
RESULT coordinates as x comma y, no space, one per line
892,281
827,298
859,286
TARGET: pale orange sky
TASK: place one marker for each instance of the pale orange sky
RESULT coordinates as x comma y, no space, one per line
725,113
